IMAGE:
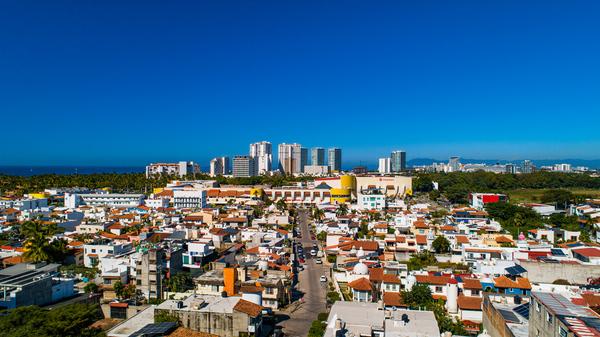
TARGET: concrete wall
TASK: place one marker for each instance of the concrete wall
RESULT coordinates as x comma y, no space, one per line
549,272
222,324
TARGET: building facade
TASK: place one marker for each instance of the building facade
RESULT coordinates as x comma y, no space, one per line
335,159
317,156
385,165
526,167
263,153
454,164
398,161
245,166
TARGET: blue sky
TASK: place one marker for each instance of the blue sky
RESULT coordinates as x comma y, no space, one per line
128,83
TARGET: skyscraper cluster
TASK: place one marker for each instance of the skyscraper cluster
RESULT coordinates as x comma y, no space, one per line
396,162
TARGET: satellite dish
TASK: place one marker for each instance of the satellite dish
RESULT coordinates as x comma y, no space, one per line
394,308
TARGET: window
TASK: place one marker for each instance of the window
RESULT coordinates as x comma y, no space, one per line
138,282
562,331
538,307
438,289
270,291
474,292
215,288
93,250
549,317
107,281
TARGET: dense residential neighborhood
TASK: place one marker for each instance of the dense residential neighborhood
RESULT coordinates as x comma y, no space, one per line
239,260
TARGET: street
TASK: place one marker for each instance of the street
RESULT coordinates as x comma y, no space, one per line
309,288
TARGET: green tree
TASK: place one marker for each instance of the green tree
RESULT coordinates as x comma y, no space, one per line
434,195
118,288
91,287
342,209
36,248
164,316
418,296
441,244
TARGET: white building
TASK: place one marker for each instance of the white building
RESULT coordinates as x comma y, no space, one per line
24,204
189,199
454,164
370,201
182,168
292,158
317,170
95,252
105,199
385,165
154,202
263,153
245,166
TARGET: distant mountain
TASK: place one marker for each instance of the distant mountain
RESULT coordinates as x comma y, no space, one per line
591,163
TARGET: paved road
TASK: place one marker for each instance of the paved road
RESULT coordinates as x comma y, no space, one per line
309,288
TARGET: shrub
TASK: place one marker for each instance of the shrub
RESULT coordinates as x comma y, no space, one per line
322,316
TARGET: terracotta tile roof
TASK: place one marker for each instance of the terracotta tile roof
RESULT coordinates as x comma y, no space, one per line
376,274
115,226
248,307
462,239
437,296
361,284
472,283
401,239
469,302
366,245
503,239
393,299
431,279
251,289
420,224
391,278
381,226
591,299
183,332
421,239
14,260
505,282
76,243
588,252
447,228
479,250
253,250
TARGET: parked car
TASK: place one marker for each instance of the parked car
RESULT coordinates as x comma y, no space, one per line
313,253
323,278
312,237
302,259
319,260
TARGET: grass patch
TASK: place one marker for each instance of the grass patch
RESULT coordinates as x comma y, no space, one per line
524,195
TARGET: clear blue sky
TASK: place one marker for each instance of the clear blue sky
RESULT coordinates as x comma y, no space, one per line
133,82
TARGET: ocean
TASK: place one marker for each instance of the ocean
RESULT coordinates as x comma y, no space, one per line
28,171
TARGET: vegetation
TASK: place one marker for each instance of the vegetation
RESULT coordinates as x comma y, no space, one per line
165,316
317,329
69,321
421,259
180,283
37,246
333,296
420,297
91,287
456,186
441,244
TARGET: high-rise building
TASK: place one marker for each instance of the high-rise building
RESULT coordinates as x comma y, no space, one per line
263,153
244,166
303,158
335,159
454,164
317,156
398,161
511,168
385,165
216,167
526,167
290,158
226,165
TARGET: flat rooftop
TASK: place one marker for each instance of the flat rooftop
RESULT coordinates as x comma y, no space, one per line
203,303
362,318
133,324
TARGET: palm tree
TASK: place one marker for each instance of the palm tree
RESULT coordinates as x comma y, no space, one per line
318,214
518,220
281,205
342,209
37,248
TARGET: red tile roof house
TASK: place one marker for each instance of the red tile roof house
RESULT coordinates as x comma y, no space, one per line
587,254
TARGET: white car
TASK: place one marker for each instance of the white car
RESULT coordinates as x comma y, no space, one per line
323,278
319,260
313,253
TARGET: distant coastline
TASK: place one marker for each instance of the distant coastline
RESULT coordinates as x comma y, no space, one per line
28,171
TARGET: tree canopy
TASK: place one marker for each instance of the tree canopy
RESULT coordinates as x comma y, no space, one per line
69,321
